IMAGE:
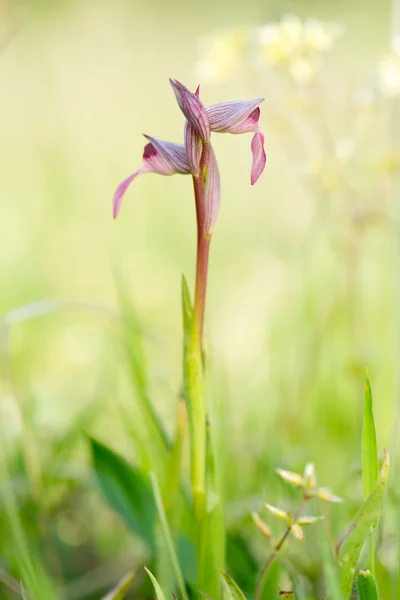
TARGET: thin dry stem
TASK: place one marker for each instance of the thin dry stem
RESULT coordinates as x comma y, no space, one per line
276,549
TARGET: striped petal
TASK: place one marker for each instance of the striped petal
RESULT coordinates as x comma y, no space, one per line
193,109
212,190
259,157
234,117
193,147
164,158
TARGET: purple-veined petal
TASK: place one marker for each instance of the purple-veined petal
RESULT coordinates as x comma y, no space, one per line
212,190
259,158
159,156
120,191
193,147
234,117
193,109
166,158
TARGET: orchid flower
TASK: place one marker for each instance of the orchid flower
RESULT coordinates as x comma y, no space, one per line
167,158
196,157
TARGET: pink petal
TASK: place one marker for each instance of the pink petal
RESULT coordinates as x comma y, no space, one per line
192,108
193,147
159,156
259,158
165,158
120,191
212,190
234,117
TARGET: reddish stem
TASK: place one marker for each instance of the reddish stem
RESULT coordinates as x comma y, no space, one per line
203,250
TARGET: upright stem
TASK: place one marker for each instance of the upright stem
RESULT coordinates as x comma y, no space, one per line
194,363
203,250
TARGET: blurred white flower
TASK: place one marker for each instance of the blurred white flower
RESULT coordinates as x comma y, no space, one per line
388,73
296,45
279,41
222,53
303,70
292,44
319,36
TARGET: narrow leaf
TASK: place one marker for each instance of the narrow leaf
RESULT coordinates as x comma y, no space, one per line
330,565
187,310
351,543
121,589
126,491
23,592
231,589
154,441
167,537
367,586
370,465
174,464
212,554
156,585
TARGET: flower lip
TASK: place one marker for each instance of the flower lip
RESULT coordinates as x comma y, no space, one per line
193,109
159,156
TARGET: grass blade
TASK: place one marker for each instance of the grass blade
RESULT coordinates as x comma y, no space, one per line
154,440
167,537
351,543
156,585
231,589
370,466
212,544
121,589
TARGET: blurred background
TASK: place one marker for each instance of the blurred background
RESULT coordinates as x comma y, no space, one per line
304,274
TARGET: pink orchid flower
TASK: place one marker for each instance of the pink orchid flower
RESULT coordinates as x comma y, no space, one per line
196,156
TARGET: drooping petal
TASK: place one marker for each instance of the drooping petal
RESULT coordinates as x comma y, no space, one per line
193,147
193,109
234,117
212,190
259,157
120,191
159,156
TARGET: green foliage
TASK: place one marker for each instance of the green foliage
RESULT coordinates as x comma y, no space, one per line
156,585
212,545
330,566
126,490
187,311
149,432
231,590
354,537
366,585
121,589
370,464
169,544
